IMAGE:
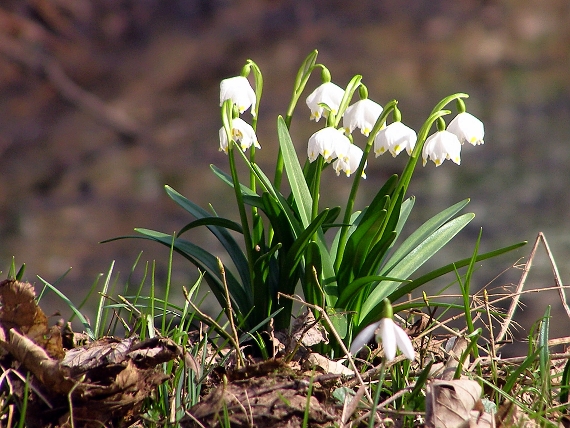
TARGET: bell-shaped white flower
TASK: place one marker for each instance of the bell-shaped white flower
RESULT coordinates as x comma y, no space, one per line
239,91
328,142
242,133
348,163
363,114
328,93
468,128
392,336
441,146
395,138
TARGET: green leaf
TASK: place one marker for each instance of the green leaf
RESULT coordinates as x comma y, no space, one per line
413,260
422,233
225,238
418,282
297,250
295,175
249,196
82,319
356,285
209,265
331,217
212,221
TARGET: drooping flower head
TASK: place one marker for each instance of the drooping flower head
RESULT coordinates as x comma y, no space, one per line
348,163
391,335
329,94
363,114
328,142
239,91
467,128
242,133
441,146
395,138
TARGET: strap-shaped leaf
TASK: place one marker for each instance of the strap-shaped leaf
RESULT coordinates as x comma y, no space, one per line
422,233
418,282
212,221
249,196
297,250
225,238
295,175
357,285
413,260
208,264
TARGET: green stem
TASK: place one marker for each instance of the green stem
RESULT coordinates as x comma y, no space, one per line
316,185
301,80
406,176
242,211
356,183
227,123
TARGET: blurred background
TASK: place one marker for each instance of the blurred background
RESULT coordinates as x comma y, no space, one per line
103,102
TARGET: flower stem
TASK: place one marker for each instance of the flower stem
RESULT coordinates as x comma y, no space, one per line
356,183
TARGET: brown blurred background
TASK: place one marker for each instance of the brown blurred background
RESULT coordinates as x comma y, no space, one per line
105,101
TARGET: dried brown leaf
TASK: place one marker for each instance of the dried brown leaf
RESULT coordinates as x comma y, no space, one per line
449,404
308,331
19,310
328,366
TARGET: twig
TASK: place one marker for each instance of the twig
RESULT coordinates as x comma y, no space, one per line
557,278
336,335
213,322
229,309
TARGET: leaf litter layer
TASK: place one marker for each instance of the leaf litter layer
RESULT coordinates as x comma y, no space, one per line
108,382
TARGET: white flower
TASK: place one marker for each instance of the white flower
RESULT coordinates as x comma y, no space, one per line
395,138
362,114
348,163
239,91
327,142
467,128
441,146
392,336
328,93
242,133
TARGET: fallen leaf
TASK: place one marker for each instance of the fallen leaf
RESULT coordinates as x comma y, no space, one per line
328,366
449,404
19,310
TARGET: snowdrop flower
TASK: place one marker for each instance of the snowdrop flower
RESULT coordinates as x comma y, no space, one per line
395,138
392,336
239,91
242,133
467,128
348,163
328,142
362,114
328,93
441,146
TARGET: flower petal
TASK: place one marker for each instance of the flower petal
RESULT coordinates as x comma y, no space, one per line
404,343
395,138
467,128
363,115
329,94
388,336
363,337
441,146
239,91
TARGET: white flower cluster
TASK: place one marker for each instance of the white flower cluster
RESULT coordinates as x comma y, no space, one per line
333,144
239,91
393,138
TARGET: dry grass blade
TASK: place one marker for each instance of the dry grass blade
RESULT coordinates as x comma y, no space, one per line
325,316
516,295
